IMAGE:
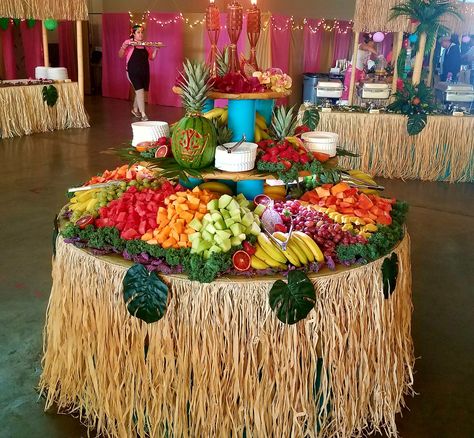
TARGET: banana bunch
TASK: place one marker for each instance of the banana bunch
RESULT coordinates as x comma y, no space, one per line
365,177
261,129
220,114
86,202
277,193
301,250
217,187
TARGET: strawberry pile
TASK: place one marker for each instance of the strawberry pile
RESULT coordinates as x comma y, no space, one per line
135,212
285,152
124,173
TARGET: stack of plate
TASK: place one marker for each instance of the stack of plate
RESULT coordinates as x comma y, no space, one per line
41,72
319,141
149,131
239,160
57,73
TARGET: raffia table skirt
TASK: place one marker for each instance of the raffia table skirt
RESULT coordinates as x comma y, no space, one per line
443,151
219,363
23,111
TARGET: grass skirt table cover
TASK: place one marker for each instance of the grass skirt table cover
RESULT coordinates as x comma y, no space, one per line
220,363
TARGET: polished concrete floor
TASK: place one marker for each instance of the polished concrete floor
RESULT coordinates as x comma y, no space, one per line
38,169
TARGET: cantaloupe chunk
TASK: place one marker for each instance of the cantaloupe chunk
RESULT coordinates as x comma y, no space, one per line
147,236
187,216
340,187
183,237
168,243
152,242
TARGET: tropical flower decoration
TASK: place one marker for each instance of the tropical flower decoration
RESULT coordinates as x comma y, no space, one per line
274,79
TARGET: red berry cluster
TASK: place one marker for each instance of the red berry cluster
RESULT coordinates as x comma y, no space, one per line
301,129
283,152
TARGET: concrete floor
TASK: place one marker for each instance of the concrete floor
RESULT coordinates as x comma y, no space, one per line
38,169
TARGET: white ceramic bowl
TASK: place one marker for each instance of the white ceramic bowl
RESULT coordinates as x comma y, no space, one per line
241,159
149,131
320,141
41,72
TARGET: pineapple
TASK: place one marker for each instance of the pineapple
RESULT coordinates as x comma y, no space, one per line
223,62
194,137
283,122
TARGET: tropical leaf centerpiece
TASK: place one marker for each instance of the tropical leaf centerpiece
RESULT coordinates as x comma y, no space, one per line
416,102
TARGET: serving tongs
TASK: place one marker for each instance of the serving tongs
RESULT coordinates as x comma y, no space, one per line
95,186
281,244
229,149
359,183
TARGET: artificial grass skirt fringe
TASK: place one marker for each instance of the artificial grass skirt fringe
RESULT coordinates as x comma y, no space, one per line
23,111
443,151
44,9
220,363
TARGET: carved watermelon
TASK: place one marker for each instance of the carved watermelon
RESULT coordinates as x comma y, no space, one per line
194,142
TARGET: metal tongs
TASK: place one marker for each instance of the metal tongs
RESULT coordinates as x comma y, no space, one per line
95,186
358,183
281,244
229,149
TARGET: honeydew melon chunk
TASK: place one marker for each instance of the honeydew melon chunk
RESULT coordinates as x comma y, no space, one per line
215,248
236,229
213,204
194,236
207,236
218,239
225,213
207,217
206,254
232,205
245,209
235,214
248,219
210,228
195,224
220,225
229,222
225,234
216,216
224,201
259,209
242,200
203,246
254,229
235,241
256,219
242,237
225,245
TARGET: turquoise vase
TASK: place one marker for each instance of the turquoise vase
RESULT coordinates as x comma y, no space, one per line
242,119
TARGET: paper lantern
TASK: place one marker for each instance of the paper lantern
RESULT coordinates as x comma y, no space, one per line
30,22
413,38
50,24
466,38
378,37
4,23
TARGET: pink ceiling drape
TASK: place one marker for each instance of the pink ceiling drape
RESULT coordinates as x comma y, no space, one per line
32,46
168,29
67,48
115,30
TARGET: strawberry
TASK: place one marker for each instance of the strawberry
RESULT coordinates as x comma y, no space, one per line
248,248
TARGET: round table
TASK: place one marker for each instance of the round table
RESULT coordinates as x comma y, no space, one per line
219,363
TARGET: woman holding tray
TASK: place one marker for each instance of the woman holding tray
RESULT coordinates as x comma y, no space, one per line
138,67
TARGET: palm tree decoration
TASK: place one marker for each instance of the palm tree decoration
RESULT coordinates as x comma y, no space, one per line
429,15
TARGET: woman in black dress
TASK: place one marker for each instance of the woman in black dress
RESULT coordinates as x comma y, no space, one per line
138,68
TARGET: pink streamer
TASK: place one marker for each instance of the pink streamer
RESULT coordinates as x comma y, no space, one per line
32,46
312,45
169,59
115,29
280,35
67,48
8,47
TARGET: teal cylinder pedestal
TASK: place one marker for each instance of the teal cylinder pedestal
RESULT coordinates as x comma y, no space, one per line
230,183
208,105
242,119
250,188
265,108
193,182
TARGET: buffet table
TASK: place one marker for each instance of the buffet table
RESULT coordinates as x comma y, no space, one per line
220,363
443,151
23,111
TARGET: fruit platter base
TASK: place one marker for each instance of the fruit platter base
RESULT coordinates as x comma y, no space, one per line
220,362
242,96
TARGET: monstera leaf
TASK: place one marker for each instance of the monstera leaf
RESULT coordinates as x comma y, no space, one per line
416,123
292,301
145,294
55,233
389,275
50,95
311,118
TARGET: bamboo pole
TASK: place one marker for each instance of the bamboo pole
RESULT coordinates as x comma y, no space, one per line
44,33
80,58
354,63
398,48
418,67
432,53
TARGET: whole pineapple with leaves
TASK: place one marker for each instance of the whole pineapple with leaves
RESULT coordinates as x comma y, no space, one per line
283,122
194,137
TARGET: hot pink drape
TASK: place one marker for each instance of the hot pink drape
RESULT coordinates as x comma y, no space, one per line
115,30
342,43
9,60
169,59
67,48
313,38
280,35
32,46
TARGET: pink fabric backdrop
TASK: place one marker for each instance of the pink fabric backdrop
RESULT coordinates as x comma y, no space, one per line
115,30
32,46
164,69
9,60
342,44
67,48
312,45
280,41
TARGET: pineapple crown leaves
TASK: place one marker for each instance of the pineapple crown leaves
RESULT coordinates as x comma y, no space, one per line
224,134
283,122
222,60
195,82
